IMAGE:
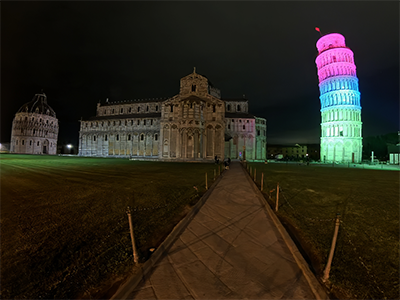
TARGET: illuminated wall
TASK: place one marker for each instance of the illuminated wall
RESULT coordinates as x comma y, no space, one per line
341,134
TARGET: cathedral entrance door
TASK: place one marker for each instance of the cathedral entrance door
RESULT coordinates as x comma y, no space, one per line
190,147
45,146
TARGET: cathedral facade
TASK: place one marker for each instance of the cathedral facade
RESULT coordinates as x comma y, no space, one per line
35,128
196,124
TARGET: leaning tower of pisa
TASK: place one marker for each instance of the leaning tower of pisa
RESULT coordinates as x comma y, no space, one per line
341,134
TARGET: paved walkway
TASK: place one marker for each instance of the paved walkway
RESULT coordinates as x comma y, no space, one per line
231,249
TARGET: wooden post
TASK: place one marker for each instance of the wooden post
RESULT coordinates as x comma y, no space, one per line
255,176
206,182
277,197
262,181
328,265
135,255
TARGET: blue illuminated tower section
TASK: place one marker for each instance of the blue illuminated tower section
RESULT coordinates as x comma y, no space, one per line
341,135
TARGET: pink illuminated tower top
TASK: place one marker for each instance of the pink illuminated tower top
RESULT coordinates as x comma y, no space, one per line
332,40
334,57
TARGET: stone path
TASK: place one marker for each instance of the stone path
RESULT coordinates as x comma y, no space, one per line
232,249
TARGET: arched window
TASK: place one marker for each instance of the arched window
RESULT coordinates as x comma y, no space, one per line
130,109
142,137
138,109
23,142
129,137
214,108
30,143
38,143
147,108
122,110
138,122
156,107
105,137
172,108
193,87
238,108
117,137
229,107
94,138
156,137
144,122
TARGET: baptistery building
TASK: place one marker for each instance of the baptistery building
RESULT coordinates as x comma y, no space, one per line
195,124
341,126
35,128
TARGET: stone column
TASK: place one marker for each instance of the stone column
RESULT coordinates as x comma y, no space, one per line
213,142
151,147
201,144
178,143
186,142
138,144
169,141
194,143
205,144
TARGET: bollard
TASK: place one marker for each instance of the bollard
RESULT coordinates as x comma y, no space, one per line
206,182
255,176
277,197
135,255
335,234
262,181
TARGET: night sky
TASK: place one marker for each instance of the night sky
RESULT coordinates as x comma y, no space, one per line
82,52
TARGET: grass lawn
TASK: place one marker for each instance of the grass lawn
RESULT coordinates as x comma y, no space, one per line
64,228
366,260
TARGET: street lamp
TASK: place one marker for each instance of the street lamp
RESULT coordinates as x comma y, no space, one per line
69,146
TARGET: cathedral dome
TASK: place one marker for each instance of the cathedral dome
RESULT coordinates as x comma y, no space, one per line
38,105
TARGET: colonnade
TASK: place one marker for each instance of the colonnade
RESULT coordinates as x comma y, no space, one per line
192,142
142,144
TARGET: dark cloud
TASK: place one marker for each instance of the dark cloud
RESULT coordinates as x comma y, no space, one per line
81,52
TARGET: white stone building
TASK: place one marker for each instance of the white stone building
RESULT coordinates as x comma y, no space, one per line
195,124
35,128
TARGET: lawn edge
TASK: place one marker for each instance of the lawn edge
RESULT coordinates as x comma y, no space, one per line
317,289
132,282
